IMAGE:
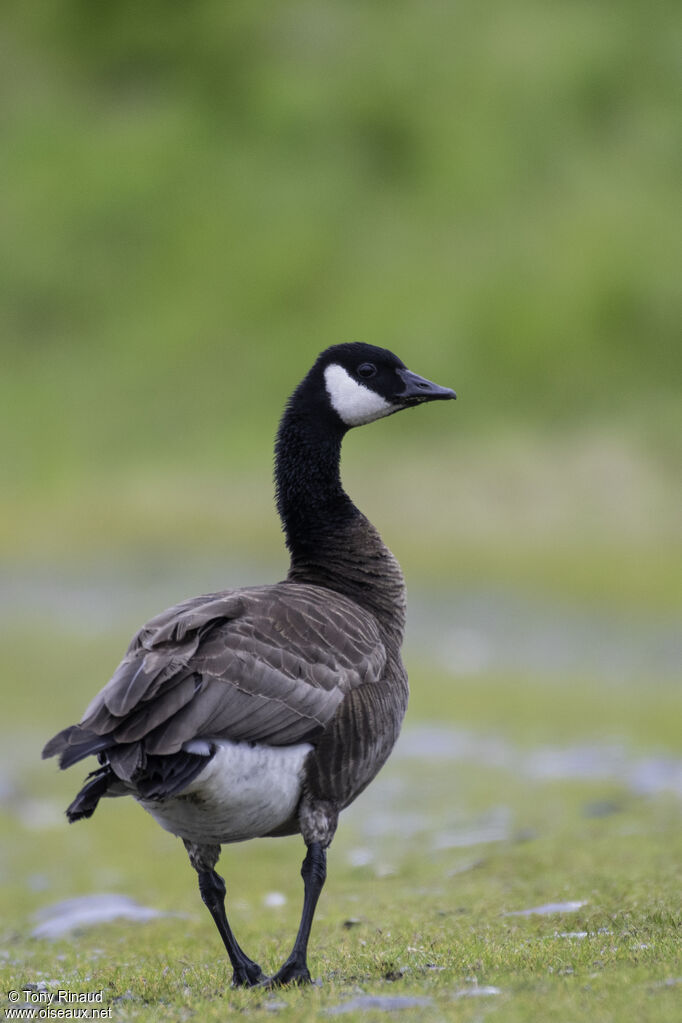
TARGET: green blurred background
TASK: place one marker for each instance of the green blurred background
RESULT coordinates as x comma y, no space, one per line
197,198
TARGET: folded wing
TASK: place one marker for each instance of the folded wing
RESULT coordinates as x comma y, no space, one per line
265,664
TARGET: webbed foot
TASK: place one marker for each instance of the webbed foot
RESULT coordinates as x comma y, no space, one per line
248,974
294,971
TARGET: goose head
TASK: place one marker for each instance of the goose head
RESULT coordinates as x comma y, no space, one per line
360,383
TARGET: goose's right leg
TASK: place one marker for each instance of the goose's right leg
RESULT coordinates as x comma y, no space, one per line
245,973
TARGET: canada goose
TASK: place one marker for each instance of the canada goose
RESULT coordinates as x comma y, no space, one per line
266,710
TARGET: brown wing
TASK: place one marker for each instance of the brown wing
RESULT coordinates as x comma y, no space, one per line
266,664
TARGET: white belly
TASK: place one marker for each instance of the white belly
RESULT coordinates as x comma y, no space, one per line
245,791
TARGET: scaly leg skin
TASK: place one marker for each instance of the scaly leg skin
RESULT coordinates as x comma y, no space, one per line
314,871
246,973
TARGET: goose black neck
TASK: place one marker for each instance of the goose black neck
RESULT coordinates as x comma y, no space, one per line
310,498
331,542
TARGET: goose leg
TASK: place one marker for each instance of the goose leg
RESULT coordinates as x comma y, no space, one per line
246,973
313,872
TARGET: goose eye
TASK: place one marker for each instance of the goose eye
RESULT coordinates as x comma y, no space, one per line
366,370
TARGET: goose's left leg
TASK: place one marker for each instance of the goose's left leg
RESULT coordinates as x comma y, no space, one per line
318,820
314,871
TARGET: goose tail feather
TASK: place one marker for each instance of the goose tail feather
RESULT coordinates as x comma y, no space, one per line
85,803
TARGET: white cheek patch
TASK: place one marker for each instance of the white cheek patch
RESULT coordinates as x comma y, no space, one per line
354,403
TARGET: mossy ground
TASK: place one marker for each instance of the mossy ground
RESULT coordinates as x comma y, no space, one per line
408,910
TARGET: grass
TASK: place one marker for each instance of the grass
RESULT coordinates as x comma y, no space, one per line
414,914
410,909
